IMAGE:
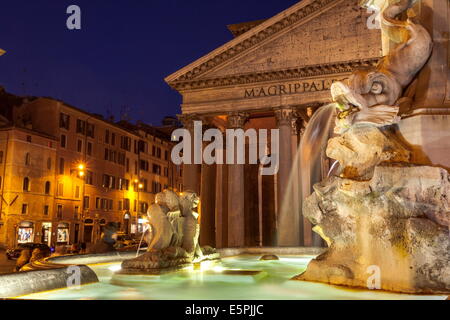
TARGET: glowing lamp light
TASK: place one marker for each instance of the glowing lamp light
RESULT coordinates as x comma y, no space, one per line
2,52
140,186
81,173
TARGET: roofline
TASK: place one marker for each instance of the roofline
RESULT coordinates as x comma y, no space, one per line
271,21
27,130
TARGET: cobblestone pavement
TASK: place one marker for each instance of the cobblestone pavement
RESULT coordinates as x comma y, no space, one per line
6,266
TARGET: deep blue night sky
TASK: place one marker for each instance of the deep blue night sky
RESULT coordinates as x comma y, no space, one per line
119,58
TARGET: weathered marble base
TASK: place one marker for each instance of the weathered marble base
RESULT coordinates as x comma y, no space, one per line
157,262
397,223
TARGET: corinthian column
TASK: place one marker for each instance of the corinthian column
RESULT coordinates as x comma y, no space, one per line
287,197
236,214
191,172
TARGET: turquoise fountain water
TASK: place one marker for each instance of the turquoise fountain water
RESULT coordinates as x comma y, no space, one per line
238,278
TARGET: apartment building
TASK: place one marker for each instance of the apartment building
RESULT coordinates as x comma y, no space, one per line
99,172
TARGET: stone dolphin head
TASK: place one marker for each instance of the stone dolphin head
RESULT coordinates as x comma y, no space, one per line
375,91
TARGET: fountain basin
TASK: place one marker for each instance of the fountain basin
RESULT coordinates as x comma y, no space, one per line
239,275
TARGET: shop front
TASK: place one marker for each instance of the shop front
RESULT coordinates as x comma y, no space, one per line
62,234
25,232
46,233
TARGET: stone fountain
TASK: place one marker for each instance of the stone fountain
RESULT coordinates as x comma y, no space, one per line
172,236
386,219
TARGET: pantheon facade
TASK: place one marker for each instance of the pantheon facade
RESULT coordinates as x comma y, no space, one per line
274,73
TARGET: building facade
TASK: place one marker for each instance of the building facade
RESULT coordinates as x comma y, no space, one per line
274,74
66,173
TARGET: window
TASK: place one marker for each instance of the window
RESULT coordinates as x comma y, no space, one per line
86,202
126,204
64,121
166,172
120,205
29,139
144,185
107,136
125,143
89,149
61,165
156,187
153,151
47,187
90,128
27,159
127,165
81,126
80,145
49,163
63,141
75,212
46,210
143,207
113,138
104,204
156,169
97,203
0,182
59,211
136,167
77,192
106,154
60,189
109,181
89,178
24,208
26,184
121,158
1,156
158,152
166,155
144,165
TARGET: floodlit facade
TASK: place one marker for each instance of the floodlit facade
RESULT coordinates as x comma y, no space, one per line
66,173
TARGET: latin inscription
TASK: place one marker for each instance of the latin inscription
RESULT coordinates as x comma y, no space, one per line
290,88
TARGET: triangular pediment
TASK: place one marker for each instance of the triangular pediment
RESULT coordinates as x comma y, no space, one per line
310,33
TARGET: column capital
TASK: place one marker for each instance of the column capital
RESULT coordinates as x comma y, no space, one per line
285,116
188,119
236,120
